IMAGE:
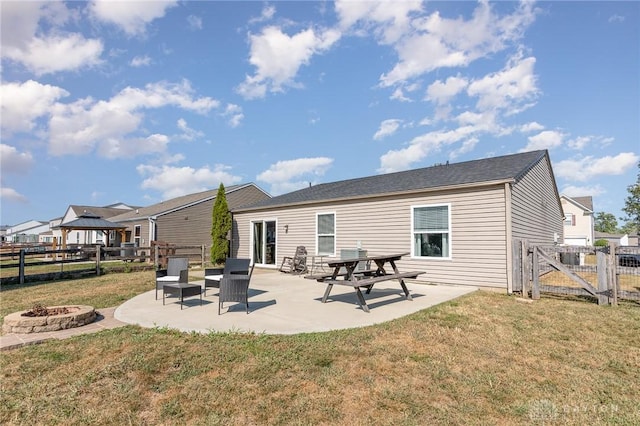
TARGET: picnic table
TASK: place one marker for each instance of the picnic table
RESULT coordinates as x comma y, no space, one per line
346,272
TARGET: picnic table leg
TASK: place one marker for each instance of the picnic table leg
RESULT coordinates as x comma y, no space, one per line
405,289
363,303
326,293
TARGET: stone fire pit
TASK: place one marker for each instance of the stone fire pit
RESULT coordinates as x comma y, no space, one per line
23,322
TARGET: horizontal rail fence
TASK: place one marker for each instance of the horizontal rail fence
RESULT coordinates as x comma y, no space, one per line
605,273
39,263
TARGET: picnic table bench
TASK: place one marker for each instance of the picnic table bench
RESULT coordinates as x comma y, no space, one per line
346,269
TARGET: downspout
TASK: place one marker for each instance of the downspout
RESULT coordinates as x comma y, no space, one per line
509,236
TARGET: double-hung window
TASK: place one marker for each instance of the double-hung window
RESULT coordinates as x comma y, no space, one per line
326,233
431,227
569,219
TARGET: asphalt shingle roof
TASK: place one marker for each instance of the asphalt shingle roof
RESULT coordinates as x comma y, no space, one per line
504,168
91,222
585,201
172,204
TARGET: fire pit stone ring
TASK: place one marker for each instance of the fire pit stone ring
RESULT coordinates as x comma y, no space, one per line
76,316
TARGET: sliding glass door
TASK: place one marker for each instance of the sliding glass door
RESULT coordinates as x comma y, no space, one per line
264,242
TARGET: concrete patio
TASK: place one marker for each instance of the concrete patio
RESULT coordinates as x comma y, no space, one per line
284,304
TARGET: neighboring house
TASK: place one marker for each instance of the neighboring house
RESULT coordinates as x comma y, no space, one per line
457,221
26,232
183,220
617,239
47,237
578,220
86,236
3,233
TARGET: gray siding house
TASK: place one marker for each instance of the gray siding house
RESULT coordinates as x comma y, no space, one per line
458,221
184,220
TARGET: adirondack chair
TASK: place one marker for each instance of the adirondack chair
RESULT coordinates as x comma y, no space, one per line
296,264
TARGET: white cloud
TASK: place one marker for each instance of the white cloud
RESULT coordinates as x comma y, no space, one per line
511,90
78,127
195,22
615,18
268,11
41,52
131,16
467,146
278,57
132,147
398,95
423,145
285,176
53,54
10,194
176,181
579,142
389,20
586,168
435,42
546,139
532,126
23,103
442,92
187,132
387,128
140,61
12,161
234,115
581,191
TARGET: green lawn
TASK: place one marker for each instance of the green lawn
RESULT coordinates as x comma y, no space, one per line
483,359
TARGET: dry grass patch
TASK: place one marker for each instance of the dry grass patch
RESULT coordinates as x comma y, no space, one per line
626,282
483,359
100,292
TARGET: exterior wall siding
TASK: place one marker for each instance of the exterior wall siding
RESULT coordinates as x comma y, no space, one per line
191,226
383,225
536,211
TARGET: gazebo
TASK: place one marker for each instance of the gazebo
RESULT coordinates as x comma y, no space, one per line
88,221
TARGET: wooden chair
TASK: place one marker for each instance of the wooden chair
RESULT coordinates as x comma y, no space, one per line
296,264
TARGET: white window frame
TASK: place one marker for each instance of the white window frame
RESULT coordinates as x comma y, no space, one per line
449,232
569,219
334,235
137,235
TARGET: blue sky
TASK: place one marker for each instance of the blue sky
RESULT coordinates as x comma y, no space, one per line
136,102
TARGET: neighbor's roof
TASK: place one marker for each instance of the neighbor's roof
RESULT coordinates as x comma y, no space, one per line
91,221
585,203
174,204
497,169
97,211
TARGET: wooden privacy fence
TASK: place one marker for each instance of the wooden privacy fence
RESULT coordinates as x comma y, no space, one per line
40,263
604,273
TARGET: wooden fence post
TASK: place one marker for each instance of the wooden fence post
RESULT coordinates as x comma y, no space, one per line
98,259
601,267
612,267
524,267
535,291
202,255
21,267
